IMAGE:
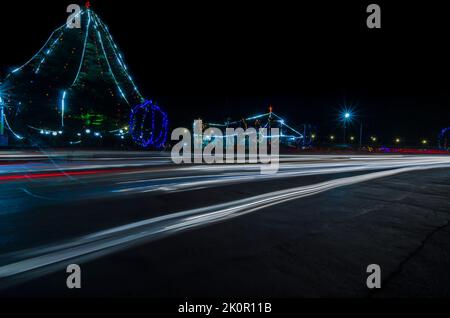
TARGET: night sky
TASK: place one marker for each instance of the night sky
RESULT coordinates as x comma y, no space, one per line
218,59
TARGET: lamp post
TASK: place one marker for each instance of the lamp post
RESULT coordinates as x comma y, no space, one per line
360,134
347,116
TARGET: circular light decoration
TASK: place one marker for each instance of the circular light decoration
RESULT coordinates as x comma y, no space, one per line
149,125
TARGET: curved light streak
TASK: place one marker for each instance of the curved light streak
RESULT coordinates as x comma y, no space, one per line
63,107
110,69
45,259
117,55
38,52
84,49
10,129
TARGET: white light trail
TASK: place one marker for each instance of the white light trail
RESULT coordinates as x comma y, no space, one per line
45,259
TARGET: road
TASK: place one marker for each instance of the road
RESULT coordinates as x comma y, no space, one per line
140,225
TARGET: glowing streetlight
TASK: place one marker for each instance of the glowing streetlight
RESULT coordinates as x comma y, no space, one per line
352,138
424,142
347,116
332,137
397,140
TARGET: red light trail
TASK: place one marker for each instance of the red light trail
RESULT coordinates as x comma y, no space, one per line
55,174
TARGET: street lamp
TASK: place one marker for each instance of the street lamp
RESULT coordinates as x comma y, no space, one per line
424,142
332,137
397,140
373,138
348,116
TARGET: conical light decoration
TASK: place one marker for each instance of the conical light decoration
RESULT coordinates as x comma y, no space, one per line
76,87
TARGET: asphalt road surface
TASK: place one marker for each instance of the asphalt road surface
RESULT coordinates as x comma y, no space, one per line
139,225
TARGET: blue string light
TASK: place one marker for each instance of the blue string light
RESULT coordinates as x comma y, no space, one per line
293,136
48,52
63,107
84,49
150,129
139,120
110,69
118,56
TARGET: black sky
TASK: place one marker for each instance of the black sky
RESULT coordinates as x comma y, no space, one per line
214,59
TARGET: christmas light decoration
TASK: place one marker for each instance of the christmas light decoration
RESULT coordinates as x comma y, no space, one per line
4,121
444,139
288,134
63,107
143,125
79,82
